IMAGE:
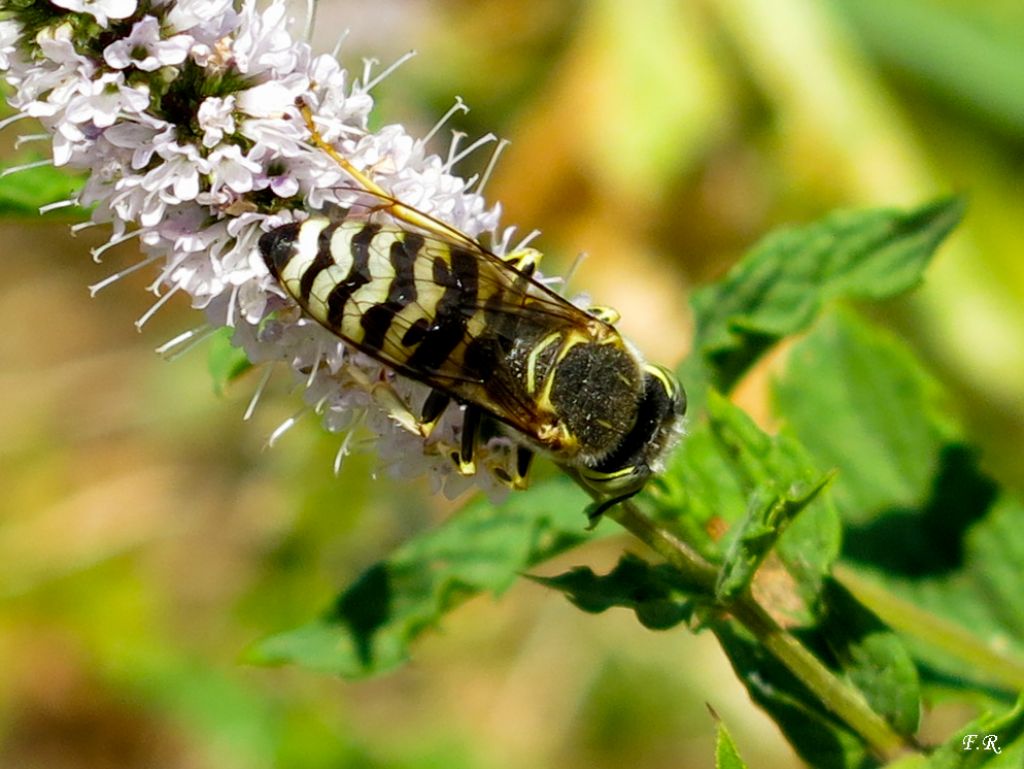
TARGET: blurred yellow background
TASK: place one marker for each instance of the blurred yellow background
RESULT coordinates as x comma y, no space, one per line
147,536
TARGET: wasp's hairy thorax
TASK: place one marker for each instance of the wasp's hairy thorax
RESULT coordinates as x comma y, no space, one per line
595,391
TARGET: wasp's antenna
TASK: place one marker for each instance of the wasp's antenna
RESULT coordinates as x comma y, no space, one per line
598,509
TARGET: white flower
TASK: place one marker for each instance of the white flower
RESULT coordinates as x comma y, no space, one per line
207,20
228,168
216,118
145,49
9,33
177,177
189,175
101,9
140,138
273,98
102,101
262,43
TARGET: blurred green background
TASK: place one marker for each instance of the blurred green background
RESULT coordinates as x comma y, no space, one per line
147,537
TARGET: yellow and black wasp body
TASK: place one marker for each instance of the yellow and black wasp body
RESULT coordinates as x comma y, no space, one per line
438,307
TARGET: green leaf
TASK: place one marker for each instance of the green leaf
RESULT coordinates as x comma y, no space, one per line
482,548
886,420
975,67
225,361
23,193
780,482
729,471
779,287
699,492
821,740
655,592
872,657
726,754
923,519
993,741
787,515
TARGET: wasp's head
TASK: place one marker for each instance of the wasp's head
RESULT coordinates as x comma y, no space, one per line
659,413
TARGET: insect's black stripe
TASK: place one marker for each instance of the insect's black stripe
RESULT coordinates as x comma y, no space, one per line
460,279
401,292
320,262
505,325
358,275
480,359
278,247
415,333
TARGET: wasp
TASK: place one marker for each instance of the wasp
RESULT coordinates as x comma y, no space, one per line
437,306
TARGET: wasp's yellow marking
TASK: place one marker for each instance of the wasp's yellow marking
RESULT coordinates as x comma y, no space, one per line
531,362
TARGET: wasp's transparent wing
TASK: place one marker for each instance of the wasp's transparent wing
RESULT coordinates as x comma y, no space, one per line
445,312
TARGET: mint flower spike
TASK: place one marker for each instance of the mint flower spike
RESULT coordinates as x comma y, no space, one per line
184,116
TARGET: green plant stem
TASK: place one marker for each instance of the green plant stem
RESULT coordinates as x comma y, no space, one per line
844,701
1001,669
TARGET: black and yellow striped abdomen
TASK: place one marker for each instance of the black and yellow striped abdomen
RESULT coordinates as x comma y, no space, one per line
370,286
434,311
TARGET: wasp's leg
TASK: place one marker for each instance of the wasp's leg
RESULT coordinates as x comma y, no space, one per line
433,408
515,476
391,403
522,459
395,407
598,509
464,458
526,260
396,208
362,178
609,315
